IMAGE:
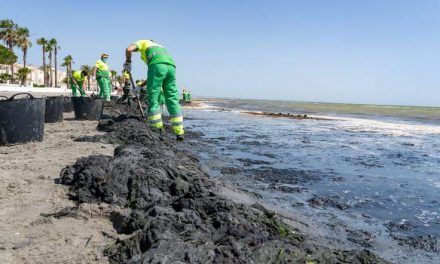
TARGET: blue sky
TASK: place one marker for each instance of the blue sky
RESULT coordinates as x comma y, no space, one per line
384,52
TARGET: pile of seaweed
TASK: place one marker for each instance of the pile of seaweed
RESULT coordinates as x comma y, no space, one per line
173,213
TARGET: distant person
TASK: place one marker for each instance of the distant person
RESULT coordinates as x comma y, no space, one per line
102,74
161,74
188,96
78,82
184,95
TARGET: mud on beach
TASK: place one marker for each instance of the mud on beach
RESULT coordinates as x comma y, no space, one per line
172,212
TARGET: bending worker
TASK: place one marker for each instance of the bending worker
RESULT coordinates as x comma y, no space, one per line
102,74
78,82
127,86
161,74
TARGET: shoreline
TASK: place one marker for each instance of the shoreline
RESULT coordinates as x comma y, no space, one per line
136,142
216,221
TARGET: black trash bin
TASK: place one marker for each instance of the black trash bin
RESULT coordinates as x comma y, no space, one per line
68,105
21,120
54,109
87,108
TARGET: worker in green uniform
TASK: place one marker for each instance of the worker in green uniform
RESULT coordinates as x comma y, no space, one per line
127,86
78,82
161,75
188,96
102,74
184,95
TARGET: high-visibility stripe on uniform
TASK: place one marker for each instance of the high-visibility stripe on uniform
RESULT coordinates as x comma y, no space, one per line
155,120
177,124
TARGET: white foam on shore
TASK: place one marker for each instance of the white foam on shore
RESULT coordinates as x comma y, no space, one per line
355,124
388,127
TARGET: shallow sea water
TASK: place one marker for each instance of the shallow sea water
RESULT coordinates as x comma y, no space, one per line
377,166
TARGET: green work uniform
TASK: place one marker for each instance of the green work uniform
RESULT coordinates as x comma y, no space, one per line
127,86
79,78
161,76
161,98
103,79
188,96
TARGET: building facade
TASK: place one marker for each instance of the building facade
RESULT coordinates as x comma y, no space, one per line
36,75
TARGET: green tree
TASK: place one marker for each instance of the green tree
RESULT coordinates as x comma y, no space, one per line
43,43
4,77
23,42
67,62
89,70
7,56
22,75
8,33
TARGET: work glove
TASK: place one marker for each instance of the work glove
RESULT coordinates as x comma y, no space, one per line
127,66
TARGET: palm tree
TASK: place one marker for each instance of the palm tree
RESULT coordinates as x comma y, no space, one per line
43,43
89,70
23,42
67,62
53,47
114,73
22,75
56,47
8,33
49,48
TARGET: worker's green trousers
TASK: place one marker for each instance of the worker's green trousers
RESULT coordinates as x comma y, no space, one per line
104,87
75,89
161,98
163,76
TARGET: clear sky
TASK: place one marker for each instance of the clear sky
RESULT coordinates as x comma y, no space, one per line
375,51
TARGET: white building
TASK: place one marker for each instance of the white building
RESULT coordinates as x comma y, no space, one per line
36,76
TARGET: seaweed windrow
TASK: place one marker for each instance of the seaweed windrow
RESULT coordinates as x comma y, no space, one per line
173,212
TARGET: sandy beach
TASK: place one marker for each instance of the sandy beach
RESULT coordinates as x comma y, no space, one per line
28,195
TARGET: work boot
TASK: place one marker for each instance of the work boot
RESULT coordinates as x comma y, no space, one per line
179,137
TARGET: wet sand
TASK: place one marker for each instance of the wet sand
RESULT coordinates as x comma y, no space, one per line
28,195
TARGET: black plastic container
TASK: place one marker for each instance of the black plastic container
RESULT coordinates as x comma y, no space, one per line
54,109
68,105
87,108
21,120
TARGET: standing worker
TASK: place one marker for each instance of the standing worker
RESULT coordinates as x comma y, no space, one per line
78,82
161,75
184,95
188,96
102,74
